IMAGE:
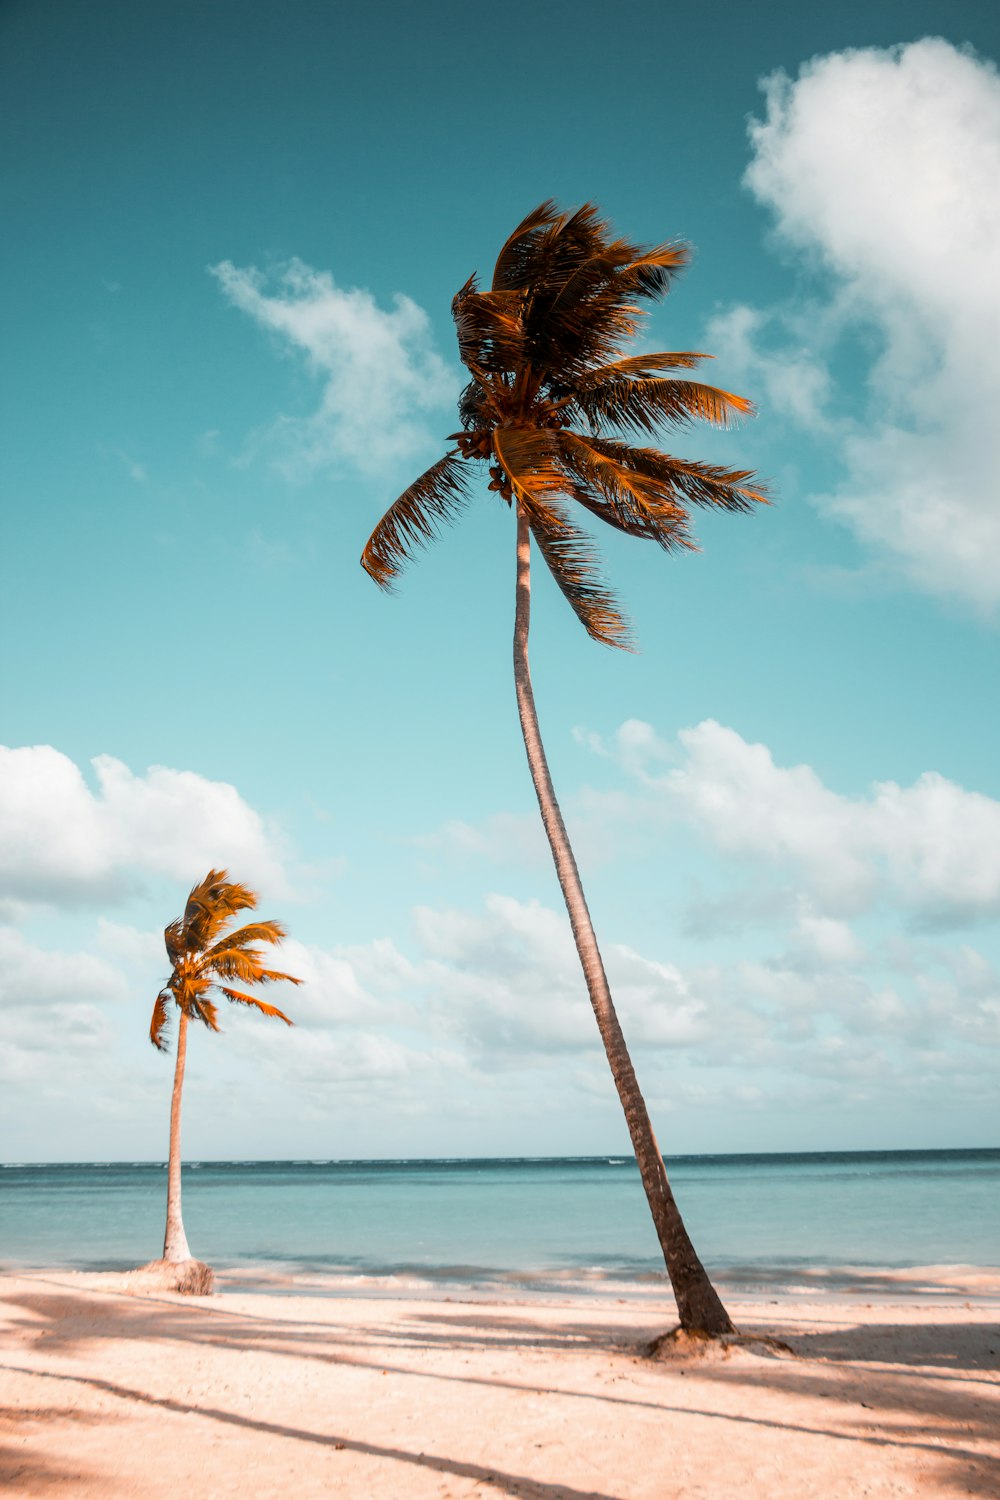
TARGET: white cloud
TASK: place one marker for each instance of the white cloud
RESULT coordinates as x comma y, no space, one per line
932,849
882,167
32,977
795,380
380,373
52,1009
508,981
60,841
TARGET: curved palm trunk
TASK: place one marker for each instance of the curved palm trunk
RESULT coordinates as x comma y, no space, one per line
175,1245
698,1302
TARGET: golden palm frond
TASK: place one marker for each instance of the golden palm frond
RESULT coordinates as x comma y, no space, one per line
200,957
160,1019
652,272
253,932
646,364
530,458
234,963
209,906
545,347
519,249
490,330
692,482
248,965
204,1010
173,938
645,404
639,504
414,519
571,558
261,1005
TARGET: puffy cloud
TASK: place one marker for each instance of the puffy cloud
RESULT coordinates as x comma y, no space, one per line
508,979
882,166
33,978
52,1008
61,841
380,372
932,848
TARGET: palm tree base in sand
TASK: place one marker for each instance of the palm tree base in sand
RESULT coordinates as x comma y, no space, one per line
192,1277
688,1343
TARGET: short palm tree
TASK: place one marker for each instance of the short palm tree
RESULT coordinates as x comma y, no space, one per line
550,387
205,958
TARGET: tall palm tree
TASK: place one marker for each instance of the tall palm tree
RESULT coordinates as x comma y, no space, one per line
204,957
550,386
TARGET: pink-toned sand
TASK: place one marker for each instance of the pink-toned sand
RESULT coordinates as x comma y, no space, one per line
106,1391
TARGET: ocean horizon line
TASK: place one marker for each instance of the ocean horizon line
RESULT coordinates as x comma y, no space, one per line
610,1158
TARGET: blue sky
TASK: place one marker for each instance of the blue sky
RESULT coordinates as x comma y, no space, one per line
235,232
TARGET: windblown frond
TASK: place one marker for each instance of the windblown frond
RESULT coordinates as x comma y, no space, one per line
261,1005
530,458
646,404
691,482
572,560
472,405
518,250
490,330
173,939
201,956
253,932
546,349
159,1022
646,364
248,965
413,520
652,272
209,906
204,1010
639,504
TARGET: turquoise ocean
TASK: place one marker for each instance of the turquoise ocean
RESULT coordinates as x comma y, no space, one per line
755,1219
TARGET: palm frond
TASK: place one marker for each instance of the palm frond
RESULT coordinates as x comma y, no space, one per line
638,504
490,330
571,558
518,249
268,1010
414,519
645,404
160,1020
584,323
645,364
253,932
203,1010
530,457
691,482
173,939
245,964
233,963
472,405
652,272
210,905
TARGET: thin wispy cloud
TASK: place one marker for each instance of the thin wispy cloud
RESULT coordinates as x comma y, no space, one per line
380,377
880,168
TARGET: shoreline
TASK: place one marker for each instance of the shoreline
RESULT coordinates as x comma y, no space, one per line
106,1393
961,1283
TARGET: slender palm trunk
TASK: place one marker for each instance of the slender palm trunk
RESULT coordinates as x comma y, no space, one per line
698,1302
175,1245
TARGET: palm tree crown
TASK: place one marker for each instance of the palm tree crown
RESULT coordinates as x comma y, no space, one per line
544,349
204,956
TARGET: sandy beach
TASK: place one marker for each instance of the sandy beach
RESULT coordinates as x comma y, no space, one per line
890,1387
